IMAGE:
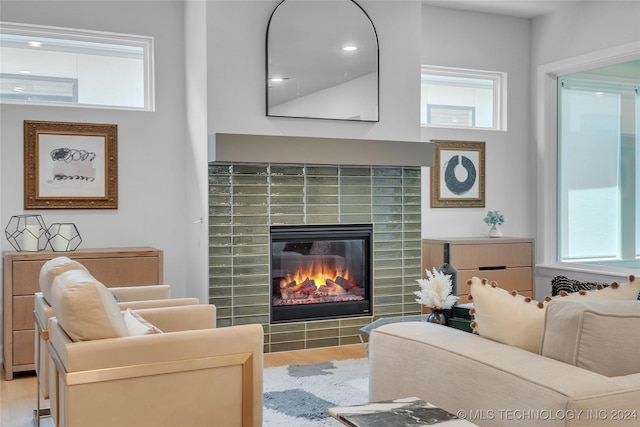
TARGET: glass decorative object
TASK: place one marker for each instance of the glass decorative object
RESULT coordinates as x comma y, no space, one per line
64,237
437,316
27,233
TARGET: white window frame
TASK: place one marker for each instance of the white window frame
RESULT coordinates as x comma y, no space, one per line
547,143
144,42
499,93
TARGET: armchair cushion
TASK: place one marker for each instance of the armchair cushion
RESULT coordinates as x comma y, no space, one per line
52,269
85,308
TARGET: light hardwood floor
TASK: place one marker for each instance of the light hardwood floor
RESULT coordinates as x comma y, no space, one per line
18,397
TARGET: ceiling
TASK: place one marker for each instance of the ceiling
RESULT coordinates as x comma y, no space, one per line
517,8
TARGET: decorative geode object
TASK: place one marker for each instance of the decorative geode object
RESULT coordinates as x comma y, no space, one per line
27,233
64,237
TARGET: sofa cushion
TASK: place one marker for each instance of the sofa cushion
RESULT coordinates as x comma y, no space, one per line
85,309
516,320
53,268
577,332
136,325
505,316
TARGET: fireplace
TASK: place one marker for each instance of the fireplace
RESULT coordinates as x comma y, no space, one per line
320,271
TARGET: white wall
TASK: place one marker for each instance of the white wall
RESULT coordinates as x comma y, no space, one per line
461,39
196,167
152,154
584,27
236,83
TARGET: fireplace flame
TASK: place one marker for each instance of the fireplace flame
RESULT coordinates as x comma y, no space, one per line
319,278
318,272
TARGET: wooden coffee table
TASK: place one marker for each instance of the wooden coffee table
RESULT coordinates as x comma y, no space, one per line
406,412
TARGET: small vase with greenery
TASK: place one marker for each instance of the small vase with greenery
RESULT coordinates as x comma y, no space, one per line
495,219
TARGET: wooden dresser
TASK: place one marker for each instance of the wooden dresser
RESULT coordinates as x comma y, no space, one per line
507,260
21,272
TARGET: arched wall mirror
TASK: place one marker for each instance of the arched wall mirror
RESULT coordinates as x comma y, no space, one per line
322,61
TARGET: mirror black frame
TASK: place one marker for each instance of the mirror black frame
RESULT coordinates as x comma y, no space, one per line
377,66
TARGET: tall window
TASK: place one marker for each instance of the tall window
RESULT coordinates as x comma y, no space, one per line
454,97
599,166
61,66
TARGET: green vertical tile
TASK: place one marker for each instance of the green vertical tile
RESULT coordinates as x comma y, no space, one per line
258,195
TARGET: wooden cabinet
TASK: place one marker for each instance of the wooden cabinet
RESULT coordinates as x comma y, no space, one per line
21,272
509,261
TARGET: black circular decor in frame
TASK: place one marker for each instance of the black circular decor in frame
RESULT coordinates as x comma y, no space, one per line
454,185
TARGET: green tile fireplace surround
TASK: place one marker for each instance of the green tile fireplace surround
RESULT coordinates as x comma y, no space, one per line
245,199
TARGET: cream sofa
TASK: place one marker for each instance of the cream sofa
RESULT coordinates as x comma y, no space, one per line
588,372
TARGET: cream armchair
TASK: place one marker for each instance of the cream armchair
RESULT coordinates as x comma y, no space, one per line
191,374
134,297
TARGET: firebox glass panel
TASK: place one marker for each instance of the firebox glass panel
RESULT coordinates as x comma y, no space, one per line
320,272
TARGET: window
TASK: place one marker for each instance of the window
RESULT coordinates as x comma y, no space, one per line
599,166
60,66
453,97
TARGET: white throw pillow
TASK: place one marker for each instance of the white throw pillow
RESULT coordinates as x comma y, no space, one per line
136,325
52,269
85,308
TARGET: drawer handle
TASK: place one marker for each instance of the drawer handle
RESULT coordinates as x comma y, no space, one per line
497,267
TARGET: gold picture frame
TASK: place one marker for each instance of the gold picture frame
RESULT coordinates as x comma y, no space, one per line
458,175
70,165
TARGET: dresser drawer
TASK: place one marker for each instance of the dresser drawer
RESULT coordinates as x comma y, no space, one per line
23,312
26,277
124,271
23,347
512,279
464,257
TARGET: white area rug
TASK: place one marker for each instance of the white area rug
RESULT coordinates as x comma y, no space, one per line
298,395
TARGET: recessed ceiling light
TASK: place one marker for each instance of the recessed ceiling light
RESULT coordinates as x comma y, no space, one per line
24,72
18,89
35,44
350,48
278,79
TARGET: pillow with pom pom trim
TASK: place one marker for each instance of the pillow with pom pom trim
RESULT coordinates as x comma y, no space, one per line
506,317
613,292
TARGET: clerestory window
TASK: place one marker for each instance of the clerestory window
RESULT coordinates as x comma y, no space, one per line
61,66
455,97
